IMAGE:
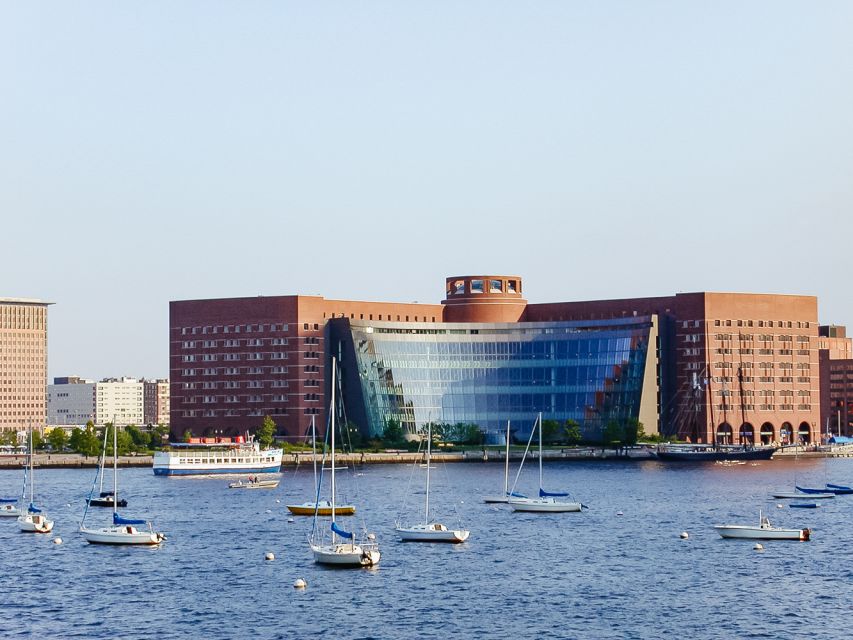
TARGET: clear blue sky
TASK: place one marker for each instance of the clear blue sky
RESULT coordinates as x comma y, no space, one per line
154,151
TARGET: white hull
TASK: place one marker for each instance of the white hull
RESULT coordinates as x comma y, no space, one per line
9,511
122,535
345,555
30,523
795,495
194,462
543,505
761,533
431,533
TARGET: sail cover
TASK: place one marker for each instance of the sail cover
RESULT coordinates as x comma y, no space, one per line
341,532
118,520
33,508
545,494
8,499
517,495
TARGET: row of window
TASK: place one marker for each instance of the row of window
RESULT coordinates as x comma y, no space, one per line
789,324
763,407
234,357
239,328
232,342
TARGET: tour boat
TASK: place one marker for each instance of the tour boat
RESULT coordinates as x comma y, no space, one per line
343,550
764,531
123,531
712,453
33,520
430,531
216,459
546,502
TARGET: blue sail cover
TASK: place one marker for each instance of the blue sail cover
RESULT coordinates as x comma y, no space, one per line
8,499
33,508
117,519
545,494
517,495
341,532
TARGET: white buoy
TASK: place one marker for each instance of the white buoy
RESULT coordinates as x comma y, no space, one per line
619,513
269,510
780,506
269,556
57,541
300,584
290,520
278,501
67,504
684,535
371,536
758,546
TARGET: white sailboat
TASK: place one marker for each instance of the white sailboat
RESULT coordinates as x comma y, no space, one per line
546,502
430,531
10,507
33,520
320,507
124,531
504,498
343,550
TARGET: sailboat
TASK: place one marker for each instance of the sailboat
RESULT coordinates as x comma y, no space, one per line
343,550
504,498
430,531
105,498
123,531
321,507
33,520
802,492
9,506
546,502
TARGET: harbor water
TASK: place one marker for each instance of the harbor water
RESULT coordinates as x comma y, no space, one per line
595,574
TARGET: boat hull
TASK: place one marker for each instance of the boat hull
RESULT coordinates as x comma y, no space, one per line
496,499
260,484
248,460
307,509
9,511
35,524
122,536
346,555
796,495
103,502
761,533
544,505
432,532
714,455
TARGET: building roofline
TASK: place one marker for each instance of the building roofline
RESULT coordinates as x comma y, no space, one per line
25,301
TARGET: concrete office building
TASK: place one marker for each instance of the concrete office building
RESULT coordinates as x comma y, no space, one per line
23,363
724,367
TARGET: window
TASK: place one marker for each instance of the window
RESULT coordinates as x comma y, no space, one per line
511,286
495,286
477,286
459,287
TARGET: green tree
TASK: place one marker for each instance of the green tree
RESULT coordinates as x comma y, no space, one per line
89,444
612,436
188,435
393,432
572,431
38,441
159,434
550,431
633,432
141,439
266,432
57,438
9,437
76,439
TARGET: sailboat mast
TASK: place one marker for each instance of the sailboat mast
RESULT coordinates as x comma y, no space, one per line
314,447
115,465
429,443
506,462
103,459
32,477
540,451
332,426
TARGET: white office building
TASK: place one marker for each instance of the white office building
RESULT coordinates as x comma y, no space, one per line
75,401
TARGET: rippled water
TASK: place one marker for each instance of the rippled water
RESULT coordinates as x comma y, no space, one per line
593,574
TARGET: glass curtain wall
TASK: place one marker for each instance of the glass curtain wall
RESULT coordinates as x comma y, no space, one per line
485,374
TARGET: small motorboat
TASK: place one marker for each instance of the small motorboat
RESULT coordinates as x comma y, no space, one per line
9,508
764,531
254,482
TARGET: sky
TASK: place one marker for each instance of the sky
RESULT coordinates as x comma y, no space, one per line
158,151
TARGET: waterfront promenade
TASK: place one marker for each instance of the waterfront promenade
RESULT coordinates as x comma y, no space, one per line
392,456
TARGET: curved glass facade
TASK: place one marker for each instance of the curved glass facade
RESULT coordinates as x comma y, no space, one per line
589,371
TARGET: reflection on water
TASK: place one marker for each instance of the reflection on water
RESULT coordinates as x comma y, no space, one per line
562,575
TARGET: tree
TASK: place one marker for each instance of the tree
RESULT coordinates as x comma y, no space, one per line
159,434
612,435
266,432
9,437
88,442
188,435
393,432
550,431
57,438
632,431
356,440
572,431
38,441
141,439
76,439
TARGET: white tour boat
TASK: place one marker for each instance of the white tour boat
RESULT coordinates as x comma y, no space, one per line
199,459
764,531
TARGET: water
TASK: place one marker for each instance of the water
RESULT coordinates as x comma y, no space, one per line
593,574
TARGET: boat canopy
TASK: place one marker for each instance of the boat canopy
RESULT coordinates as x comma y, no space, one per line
341,532
8,499
545,494
840,440
33,508
117,519
107,494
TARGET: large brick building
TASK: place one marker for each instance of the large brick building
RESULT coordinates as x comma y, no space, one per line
836,380
23,363
708,366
